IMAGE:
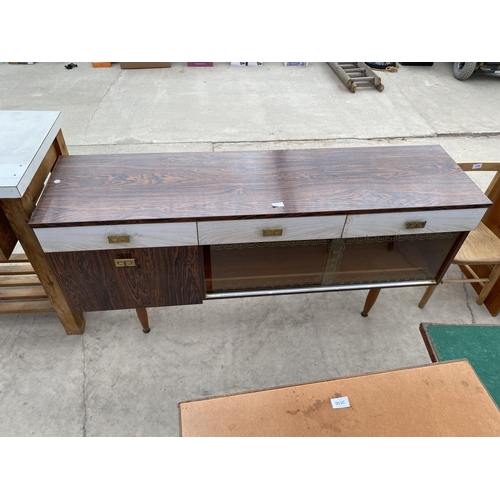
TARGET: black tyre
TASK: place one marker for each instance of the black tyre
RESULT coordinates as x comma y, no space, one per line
463,70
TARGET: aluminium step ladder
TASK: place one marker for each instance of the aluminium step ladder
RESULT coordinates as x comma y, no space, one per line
356,75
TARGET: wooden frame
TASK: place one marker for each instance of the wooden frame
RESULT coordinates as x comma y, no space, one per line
27,282
491,220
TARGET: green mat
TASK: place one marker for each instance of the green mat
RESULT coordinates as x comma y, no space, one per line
479,344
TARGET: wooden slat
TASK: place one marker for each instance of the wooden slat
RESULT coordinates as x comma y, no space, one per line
26,307
19,280
18,257
11,269
480,166
36,292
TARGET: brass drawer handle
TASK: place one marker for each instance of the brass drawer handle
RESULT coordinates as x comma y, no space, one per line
124,262
125,238
272,232
416,224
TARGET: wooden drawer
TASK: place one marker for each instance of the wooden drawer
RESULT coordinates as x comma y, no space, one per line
254,230
439,221
70,239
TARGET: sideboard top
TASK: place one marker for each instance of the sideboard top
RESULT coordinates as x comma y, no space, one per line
121,188
25,137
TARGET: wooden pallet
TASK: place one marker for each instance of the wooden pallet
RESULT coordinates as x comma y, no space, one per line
356,75
20,288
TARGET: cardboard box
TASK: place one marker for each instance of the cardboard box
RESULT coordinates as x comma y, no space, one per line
200,64
101,65
143,65
238,64
295,63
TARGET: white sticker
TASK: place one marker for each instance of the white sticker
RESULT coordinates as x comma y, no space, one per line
278,204
340,402
477,165
57,181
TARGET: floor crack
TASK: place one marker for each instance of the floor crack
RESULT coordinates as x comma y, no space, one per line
473,319
99,104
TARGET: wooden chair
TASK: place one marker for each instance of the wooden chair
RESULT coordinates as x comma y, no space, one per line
481,248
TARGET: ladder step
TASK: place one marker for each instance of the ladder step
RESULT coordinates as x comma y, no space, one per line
363,79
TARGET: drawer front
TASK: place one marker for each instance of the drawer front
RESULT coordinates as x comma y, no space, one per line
70,239
265,230
439,221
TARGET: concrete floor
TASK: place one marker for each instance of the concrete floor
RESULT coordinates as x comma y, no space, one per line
115,381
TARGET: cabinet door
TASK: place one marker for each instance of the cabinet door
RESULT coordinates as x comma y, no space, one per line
165,276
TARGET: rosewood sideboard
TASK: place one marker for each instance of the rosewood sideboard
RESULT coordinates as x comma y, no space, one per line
147,230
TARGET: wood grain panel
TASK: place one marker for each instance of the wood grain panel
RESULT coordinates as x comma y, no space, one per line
98,189
161,277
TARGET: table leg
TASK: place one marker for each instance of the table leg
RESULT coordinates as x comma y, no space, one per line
429,290
370,300
142,314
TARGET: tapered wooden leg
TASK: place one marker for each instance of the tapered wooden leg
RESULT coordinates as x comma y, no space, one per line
370,300
142,314
429,290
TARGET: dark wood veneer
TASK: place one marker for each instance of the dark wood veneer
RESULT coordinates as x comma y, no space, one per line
162,277
125,188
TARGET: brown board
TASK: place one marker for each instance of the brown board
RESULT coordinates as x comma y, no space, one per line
442,399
